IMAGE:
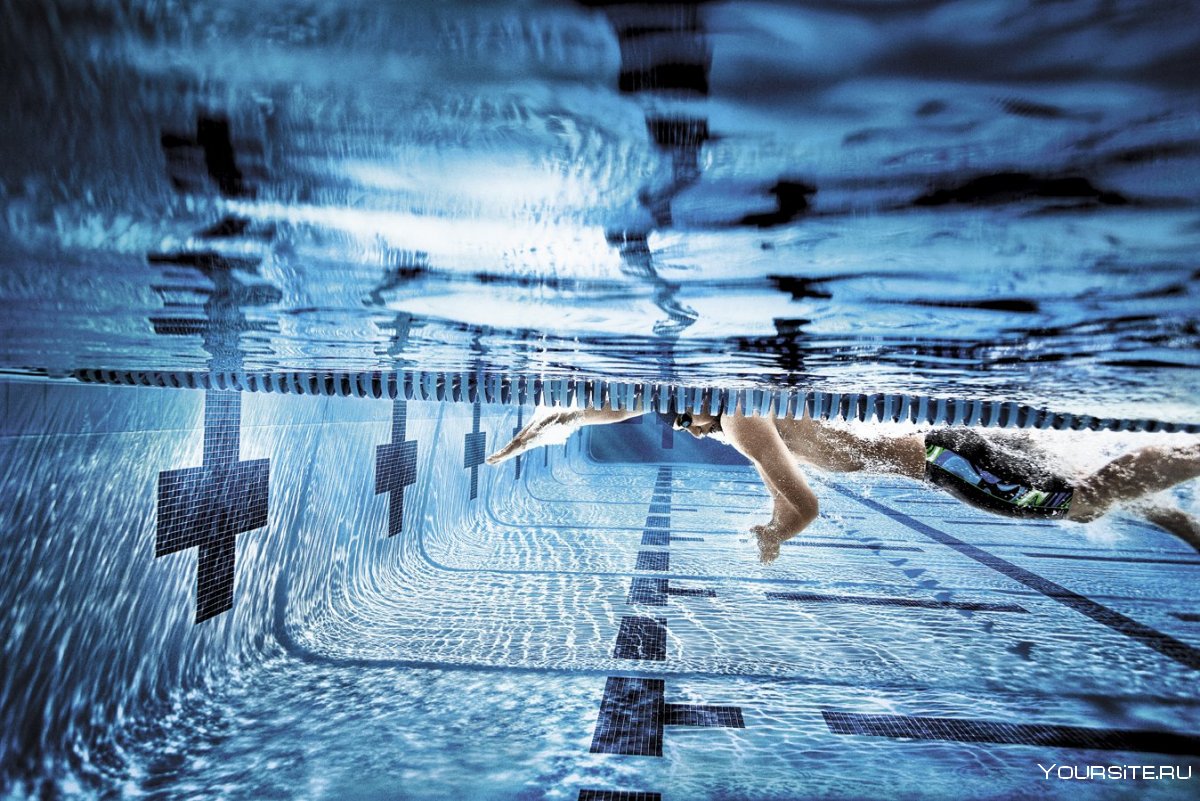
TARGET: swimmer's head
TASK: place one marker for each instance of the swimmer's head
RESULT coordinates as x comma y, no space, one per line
698,425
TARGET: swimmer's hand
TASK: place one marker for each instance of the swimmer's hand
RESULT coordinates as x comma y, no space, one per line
1176,521
547,427
785,523
769,538
551,426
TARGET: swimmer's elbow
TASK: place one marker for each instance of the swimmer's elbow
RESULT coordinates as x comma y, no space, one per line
804,511
809,512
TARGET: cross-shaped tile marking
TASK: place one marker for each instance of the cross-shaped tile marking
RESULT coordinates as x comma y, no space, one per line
396,468
473,450
206,507
654,592
634,712
654,536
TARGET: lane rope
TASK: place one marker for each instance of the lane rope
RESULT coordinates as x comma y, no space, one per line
592,393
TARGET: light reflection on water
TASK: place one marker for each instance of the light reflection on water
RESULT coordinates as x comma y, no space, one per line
972,215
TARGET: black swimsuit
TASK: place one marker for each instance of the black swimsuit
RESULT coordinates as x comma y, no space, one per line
966,465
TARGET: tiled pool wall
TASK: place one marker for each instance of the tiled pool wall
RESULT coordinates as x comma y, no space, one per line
105,548
556,626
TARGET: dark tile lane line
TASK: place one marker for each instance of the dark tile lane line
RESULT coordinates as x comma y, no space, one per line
988,731
917,603
1126,559
1168,646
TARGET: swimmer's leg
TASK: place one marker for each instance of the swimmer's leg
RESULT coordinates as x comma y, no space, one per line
1132,476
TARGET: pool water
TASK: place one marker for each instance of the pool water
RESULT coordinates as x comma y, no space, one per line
976,200
276,277
469,654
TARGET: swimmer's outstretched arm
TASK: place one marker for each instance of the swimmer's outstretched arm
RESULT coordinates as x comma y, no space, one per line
549,426
796,506
1175,521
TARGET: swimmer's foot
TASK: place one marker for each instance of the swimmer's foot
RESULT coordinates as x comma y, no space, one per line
1175,521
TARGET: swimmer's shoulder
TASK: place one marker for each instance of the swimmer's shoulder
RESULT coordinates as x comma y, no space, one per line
796,427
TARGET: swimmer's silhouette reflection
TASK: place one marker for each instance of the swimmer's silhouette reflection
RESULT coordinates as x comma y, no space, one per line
979,468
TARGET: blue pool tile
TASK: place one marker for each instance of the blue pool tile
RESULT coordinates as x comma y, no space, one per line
648,592
643,638
653,560
691,593
631,718
658,537
719,717
658,521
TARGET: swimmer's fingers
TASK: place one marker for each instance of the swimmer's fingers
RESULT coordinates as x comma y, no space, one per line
768,538
530,436
513,448
519,444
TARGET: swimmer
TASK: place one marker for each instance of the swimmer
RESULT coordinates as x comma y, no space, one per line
972,466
